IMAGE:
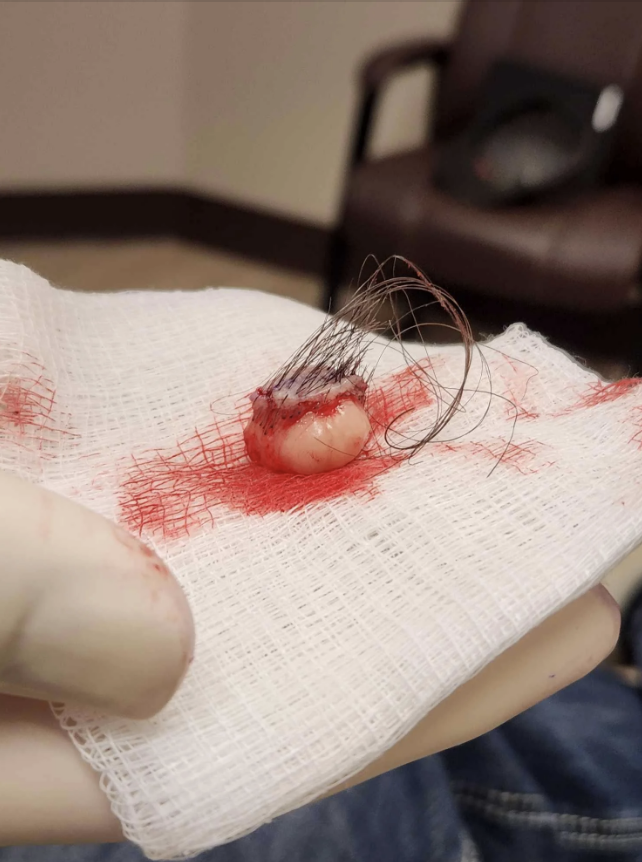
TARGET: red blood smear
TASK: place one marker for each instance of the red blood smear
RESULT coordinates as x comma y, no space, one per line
138,549
26,403
602,393
522,457
174,492
517,377
637,423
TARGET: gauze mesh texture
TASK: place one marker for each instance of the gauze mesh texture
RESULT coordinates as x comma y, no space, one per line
327,623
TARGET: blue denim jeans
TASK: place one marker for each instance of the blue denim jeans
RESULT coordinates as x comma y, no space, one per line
560,783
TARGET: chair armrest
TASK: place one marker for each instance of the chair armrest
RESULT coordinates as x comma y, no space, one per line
387,61
377,69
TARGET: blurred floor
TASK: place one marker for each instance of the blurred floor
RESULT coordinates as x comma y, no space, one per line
165,264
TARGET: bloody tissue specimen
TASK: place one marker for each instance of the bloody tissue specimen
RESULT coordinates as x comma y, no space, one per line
309,423
172,493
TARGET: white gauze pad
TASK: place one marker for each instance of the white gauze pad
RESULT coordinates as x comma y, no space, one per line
331,613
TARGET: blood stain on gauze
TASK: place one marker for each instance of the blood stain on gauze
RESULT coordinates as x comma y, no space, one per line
25,403
600,393
171,493
637,422
603,393
515,378
526,457
27,406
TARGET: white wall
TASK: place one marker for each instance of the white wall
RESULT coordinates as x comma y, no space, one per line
91,93
272,95
250,101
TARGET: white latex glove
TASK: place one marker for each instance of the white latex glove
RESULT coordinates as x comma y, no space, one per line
88,615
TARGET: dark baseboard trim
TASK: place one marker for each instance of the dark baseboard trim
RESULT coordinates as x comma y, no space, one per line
257,234
137,213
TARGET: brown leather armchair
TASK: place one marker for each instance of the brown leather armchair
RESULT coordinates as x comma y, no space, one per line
579,252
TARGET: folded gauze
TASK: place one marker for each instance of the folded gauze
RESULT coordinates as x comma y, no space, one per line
334,611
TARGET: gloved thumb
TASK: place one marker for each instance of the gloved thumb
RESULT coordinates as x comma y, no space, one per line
88,614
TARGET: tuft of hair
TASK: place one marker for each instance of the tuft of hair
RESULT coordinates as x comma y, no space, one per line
337,350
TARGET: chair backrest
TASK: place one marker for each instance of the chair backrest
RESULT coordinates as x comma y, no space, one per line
599,41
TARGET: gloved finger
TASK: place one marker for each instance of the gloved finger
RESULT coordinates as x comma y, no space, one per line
564,648
88,614
49,795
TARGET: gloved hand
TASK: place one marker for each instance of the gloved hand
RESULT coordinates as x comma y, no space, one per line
564,648
88,614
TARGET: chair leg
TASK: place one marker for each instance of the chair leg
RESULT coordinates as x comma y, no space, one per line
334,269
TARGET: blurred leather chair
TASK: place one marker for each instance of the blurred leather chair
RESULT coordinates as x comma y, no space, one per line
581,251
